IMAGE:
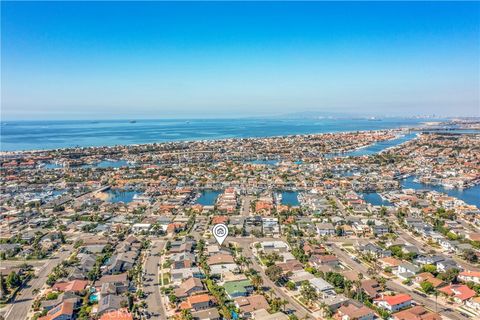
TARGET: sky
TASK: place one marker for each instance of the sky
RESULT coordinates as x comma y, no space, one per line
101,60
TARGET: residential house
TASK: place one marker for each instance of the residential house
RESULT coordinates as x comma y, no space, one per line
319,260
322,287
198,302
459,292
416,313
469,276
394,303
189,287
371,287
247,305
407,270
325,229
206,314
351,311
63,311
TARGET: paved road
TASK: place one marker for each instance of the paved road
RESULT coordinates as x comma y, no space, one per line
399,288
23,302
300,311
150,284
245,211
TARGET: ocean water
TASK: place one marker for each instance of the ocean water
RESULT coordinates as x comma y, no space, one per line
36,135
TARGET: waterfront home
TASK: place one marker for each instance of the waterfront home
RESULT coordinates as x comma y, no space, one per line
393,303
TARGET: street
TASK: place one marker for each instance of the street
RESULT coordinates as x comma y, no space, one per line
399,288
21,305
151,285
300,311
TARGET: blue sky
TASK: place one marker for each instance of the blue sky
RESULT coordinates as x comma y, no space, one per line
157,59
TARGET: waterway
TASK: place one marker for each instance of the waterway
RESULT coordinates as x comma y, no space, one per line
125,196
374,199
290,198
469,195
208,197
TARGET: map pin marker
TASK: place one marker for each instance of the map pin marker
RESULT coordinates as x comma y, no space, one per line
220,232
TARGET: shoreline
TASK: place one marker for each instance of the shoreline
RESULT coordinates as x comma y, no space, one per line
33,151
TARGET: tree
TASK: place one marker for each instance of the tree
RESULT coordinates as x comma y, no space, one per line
429,268
308,292
13,280
290,285
277,304
449,276
427,287
186,315
257,281
274,273
470,255
3,287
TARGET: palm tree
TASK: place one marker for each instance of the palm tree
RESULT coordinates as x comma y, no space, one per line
257,282
283,303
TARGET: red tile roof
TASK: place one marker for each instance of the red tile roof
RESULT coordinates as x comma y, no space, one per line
394,300
121,314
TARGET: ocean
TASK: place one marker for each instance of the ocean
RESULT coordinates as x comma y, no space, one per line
37,135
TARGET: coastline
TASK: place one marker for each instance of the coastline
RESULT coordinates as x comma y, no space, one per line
213,140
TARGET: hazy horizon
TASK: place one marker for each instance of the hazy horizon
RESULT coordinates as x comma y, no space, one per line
123,60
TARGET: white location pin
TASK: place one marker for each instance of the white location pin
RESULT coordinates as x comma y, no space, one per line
220,232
